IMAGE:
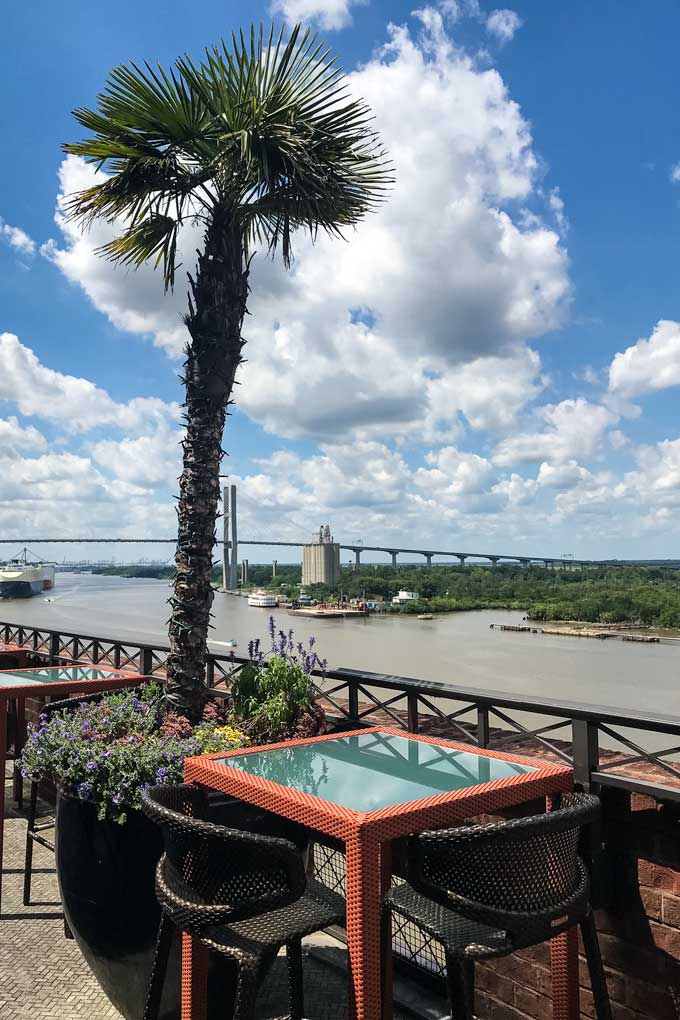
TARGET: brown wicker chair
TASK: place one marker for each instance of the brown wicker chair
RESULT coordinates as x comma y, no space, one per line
484,891
242,895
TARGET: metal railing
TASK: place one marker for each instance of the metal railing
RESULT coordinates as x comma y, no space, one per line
574,733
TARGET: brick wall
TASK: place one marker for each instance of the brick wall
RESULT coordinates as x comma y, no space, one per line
637,898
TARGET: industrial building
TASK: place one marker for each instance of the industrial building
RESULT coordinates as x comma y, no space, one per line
321,560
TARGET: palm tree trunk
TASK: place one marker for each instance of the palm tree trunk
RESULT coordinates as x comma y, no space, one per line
217,304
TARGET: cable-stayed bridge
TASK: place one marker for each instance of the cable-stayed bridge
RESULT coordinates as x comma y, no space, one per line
356,548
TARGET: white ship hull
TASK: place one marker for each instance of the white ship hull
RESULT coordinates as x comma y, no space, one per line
23,580
263,600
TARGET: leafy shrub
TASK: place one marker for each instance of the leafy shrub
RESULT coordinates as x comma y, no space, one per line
273,696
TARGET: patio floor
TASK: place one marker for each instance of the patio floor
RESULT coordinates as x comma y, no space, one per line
44,977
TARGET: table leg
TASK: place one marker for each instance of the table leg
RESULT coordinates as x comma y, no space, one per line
3,766
363,926
194,979
565,984
385,883
19,744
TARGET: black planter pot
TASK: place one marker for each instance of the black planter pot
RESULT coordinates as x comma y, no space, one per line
106,879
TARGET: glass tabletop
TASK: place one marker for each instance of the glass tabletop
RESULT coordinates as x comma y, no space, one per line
368,771
53,675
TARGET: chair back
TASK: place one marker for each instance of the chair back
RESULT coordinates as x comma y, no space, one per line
211,874
517,876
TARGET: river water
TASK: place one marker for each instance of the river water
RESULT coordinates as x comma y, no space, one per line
458,648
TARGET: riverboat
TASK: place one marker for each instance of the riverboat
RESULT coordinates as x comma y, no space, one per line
21,578
263,600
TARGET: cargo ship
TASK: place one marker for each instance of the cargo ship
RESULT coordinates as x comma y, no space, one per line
20,578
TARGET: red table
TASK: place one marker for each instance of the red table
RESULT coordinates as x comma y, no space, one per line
367,788
44,682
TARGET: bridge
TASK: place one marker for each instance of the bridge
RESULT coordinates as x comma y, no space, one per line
391,550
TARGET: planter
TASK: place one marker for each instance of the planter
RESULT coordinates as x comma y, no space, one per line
106,880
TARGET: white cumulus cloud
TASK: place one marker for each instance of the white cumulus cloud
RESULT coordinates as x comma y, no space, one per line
17,238
653,363
371,336
503,23
328,14
76,404
574,429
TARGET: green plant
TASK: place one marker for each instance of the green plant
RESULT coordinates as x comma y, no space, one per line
255,143
273,696
108,751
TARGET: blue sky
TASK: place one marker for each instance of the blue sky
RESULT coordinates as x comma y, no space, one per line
492,361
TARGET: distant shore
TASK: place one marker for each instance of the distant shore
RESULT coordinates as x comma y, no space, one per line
639,596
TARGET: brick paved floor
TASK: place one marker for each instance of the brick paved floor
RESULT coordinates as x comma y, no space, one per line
44,977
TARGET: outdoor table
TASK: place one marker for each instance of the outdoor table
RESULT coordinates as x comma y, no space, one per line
366,788
20,651
49,681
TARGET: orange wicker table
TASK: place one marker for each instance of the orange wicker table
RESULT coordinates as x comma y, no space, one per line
367,788
44,682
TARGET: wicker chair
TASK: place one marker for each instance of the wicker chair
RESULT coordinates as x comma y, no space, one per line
35,830
242,895
485,891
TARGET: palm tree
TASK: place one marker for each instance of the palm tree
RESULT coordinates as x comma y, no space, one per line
257,141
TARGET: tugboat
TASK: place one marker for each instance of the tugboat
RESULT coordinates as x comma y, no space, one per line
20,578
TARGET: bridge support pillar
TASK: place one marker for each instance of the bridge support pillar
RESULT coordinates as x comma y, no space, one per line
428,558
462,557
394,559
357,557
494,560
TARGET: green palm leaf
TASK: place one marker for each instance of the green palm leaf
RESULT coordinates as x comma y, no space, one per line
261,131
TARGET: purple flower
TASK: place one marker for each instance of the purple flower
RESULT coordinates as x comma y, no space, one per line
91,765
83,790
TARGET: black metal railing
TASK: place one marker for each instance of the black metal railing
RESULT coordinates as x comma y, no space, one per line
604,745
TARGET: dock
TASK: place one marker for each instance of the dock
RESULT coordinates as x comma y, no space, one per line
326,612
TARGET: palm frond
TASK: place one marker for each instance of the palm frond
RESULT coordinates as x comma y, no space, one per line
261,133
155,235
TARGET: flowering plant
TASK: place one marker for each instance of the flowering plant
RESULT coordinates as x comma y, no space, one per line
109,750
273,695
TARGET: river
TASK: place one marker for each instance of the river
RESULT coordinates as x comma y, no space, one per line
458,648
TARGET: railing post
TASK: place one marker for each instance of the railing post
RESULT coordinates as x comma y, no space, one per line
95,650
145,661
353,700
412,710
116,656
482,726
586,750
54,648
75,648
22,633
